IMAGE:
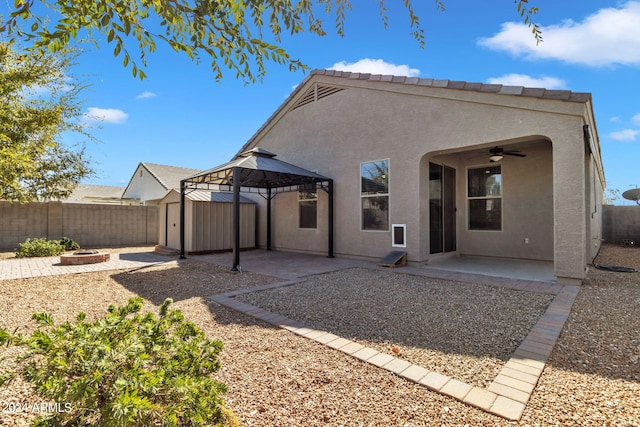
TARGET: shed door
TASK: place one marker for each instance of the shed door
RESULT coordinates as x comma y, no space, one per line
173,225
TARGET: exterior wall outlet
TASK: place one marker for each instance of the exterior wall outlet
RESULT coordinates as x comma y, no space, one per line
526,240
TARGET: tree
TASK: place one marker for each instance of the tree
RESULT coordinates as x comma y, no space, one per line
232,33
611,195
38,103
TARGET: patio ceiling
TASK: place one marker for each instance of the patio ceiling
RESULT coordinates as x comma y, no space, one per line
257,171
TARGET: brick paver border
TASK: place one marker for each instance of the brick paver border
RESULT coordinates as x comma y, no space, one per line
508,394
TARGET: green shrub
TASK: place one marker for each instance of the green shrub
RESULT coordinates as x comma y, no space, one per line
39,247
69,245
126,369
43,247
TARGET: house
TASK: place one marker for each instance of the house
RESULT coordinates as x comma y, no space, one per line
151,182
435,168
102,194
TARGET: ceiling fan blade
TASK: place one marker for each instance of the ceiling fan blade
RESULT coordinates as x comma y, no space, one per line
514,153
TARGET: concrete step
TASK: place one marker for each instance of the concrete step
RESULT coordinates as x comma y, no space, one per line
163,250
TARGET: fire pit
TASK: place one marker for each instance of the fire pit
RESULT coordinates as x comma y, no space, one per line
84,256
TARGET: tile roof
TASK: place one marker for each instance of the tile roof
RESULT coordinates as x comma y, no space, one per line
169,176
97,191
564,95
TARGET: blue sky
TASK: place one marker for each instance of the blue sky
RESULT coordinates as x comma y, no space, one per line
181,116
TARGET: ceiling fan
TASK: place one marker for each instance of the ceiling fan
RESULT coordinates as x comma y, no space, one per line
496,154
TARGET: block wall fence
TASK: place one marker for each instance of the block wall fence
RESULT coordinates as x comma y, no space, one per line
620,224
91,225
95,225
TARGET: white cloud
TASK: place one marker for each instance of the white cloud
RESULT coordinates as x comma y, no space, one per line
529,81
376,66
636,119
105,115
615,119
624,135
609,36
146,94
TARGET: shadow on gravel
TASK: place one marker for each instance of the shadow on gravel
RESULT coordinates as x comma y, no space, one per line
189,279
375,306
382,308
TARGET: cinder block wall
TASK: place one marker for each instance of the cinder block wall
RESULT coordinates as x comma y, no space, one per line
91,225
620,223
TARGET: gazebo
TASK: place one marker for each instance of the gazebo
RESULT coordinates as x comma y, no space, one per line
255,171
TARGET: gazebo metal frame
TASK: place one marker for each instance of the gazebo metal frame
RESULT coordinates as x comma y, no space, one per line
256,171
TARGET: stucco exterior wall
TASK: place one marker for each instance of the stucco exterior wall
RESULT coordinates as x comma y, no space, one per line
403,124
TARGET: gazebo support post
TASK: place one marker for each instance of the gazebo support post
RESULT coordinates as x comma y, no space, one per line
269,197
330,239
182,203
236,218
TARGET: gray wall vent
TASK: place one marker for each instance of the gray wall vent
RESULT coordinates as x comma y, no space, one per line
316,93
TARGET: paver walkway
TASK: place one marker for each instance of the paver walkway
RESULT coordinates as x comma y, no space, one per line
22,268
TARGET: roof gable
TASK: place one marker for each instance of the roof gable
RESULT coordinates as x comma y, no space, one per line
312,91
168,177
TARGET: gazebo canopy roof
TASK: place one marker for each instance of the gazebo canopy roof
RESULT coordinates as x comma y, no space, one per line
257,168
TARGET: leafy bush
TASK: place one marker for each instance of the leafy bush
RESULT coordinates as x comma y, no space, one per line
69,245
126,369
43,247
39,247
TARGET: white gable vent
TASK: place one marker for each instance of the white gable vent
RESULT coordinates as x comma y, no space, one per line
316,93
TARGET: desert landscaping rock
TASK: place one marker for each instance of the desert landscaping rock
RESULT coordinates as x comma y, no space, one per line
279,378
429,322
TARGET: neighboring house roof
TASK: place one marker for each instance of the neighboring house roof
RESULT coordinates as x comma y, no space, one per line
344,80
168,177
90,192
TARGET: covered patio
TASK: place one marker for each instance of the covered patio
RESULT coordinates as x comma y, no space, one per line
256,171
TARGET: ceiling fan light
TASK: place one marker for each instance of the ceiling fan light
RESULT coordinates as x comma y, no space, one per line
495,157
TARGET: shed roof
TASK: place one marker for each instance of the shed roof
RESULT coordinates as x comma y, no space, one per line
214,196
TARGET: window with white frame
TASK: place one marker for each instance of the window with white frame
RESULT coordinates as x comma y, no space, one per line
484,194
307,209
374,195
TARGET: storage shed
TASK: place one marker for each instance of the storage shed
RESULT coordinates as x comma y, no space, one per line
208,221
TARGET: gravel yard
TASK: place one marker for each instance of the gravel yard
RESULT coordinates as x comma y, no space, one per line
277,378
464,331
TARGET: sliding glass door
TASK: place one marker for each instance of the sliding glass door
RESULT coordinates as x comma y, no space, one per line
442,208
